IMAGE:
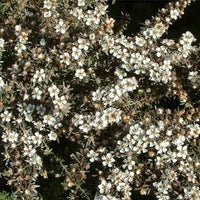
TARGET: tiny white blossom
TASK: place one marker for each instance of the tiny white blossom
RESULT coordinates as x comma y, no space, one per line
37,93
29,151
92,155
48,119
6,116
37,138
80,73
104,187
129,84
47,14
65,58
18,28
174,14
82,44
76,53
39,75
182,151
52,136
61,27
47,4
108,160
36,160
81,2
53,90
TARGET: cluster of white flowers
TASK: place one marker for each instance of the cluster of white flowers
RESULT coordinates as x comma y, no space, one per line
138,142
22,39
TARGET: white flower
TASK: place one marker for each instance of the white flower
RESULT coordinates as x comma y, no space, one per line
37,138
179,141
26,96
37,93
65,58
92,36
78,120
108,160
23,37
104,187
139,41
121,186
81,2
96,96
114,116
77,12
85,128
182,151
28,117
47,14
47,4
36,160
82,44
53,90
80,73
39,75
163,186
29,151
174,14
26,139
52,136
194,130
6,116
152,132
92,155
76,53
135,58
191,177
48,119
162,147
61,27
61,104
13,137
129,84
188,37
91,21
18,28
39,125
120,73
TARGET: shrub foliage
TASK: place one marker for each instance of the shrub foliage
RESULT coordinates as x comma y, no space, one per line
96,112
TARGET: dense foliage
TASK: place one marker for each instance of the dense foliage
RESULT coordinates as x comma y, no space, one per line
92,111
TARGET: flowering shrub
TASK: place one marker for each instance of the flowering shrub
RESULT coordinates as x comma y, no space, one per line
68,78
